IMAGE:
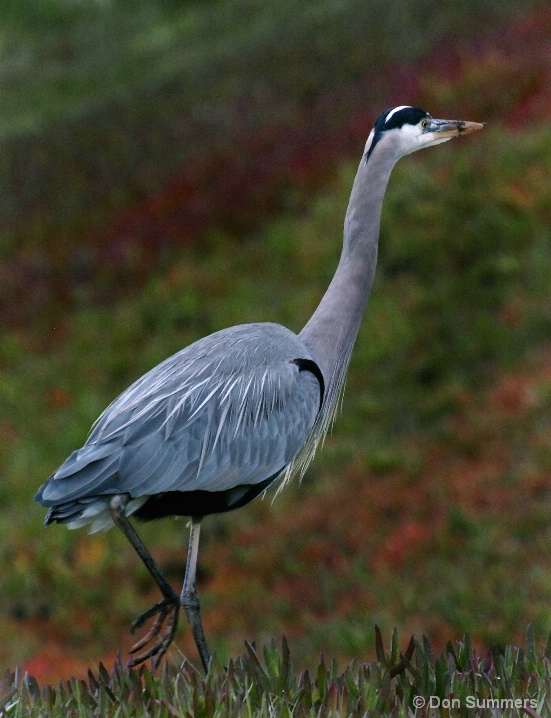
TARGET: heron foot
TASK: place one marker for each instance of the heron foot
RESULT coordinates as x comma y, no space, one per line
160,635
190,604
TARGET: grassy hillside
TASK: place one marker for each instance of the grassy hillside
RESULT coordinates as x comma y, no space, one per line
129,129
265,683
61,58
427,507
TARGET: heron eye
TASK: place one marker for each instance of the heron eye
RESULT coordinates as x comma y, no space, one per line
424,124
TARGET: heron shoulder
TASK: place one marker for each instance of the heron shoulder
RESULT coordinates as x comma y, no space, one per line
225,361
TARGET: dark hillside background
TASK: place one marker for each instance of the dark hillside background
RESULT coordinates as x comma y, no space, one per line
169,168
130,129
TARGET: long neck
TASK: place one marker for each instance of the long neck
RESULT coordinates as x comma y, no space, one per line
331,331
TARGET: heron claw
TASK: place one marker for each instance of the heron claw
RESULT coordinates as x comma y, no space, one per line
166,612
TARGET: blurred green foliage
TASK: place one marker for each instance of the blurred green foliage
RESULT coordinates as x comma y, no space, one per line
103,101
461,296
59,56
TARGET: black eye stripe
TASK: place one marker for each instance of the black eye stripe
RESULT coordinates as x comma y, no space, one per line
397,119
405,116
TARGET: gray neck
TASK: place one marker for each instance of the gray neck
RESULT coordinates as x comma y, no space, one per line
331,332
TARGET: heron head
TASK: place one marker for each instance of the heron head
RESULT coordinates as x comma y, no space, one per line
406,129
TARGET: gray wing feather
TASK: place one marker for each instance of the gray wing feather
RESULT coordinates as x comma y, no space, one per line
229,409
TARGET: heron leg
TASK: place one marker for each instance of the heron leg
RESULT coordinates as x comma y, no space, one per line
166,610
189,598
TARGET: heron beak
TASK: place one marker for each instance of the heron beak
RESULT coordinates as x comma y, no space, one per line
446,129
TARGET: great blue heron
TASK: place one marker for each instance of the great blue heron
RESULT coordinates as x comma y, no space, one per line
215,425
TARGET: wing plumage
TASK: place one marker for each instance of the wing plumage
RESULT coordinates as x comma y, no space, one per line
231,409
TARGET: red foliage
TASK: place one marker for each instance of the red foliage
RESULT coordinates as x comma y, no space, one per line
503,74
58,398
404,540
296,568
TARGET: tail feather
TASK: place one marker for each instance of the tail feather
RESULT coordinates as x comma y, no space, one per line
87,473
93,512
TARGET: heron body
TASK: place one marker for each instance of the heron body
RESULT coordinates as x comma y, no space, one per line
216,424
205,431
